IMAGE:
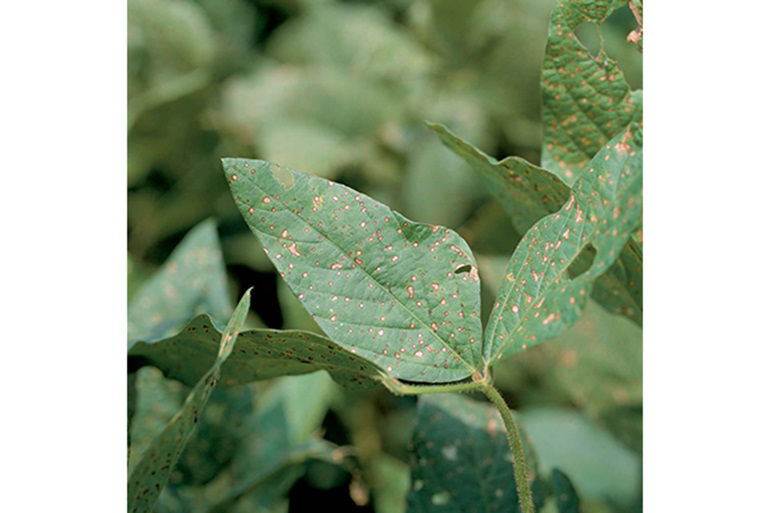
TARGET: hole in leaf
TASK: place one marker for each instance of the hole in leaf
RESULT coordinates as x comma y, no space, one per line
614,32
588,34
582,262
463,269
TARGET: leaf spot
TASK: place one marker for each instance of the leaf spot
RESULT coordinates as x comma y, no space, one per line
450,452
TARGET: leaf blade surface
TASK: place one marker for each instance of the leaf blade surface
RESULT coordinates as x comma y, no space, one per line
586,99
191,281
261,354
528,193
403,295
462,461
538,299
154,469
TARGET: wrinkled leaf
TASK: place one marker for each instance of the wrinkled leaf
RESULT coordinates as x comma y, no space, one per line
586,99
539,299
462,461
151,473
261,354
401,294
192,281
529,193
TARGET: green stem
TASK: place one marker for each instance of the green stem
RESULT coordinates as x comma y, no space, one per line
517,449
482,384
400,388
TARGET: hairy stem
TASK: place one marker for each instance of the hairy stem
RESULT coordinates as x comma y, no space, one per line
517,449
399,388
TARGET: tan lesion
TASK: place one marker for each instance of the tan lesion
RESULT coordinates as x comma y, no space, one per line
635,36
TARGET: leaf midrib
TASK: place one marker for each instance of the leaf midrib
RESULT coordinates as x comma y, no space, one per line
507,340
286,208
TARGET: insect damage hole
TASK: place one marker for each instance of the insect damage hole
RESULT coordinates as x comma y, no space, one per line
582,262
589,35
463,269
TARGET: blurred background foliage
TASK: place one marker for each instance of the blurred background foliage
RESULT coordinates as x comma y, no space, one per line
341,89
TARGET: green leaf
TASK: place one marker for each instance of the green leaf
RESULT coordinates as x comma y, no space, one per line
216,440
261,354
598,465
341,37
461,460
191,281
155,403
430,168
391,484
595,365
567,500
539,299
151,473
586,100
529,193
267,485
400,294
280,437
526,191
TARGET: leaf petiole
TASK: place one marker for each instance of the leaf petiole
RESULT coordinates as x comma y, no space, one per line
399,388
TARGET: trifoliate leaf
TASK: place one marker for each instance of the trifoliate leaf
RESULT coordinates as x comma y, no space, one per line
529,193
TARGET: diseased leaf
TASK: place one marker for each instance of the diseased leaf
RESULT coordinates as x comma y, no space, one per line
539,299
266,487
256,438
461,461
192,281
152,472
261,354
586,99
217,436
619,290
526,191
567,500
156,402
401,294
595,365
529,193
281,436
598,465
